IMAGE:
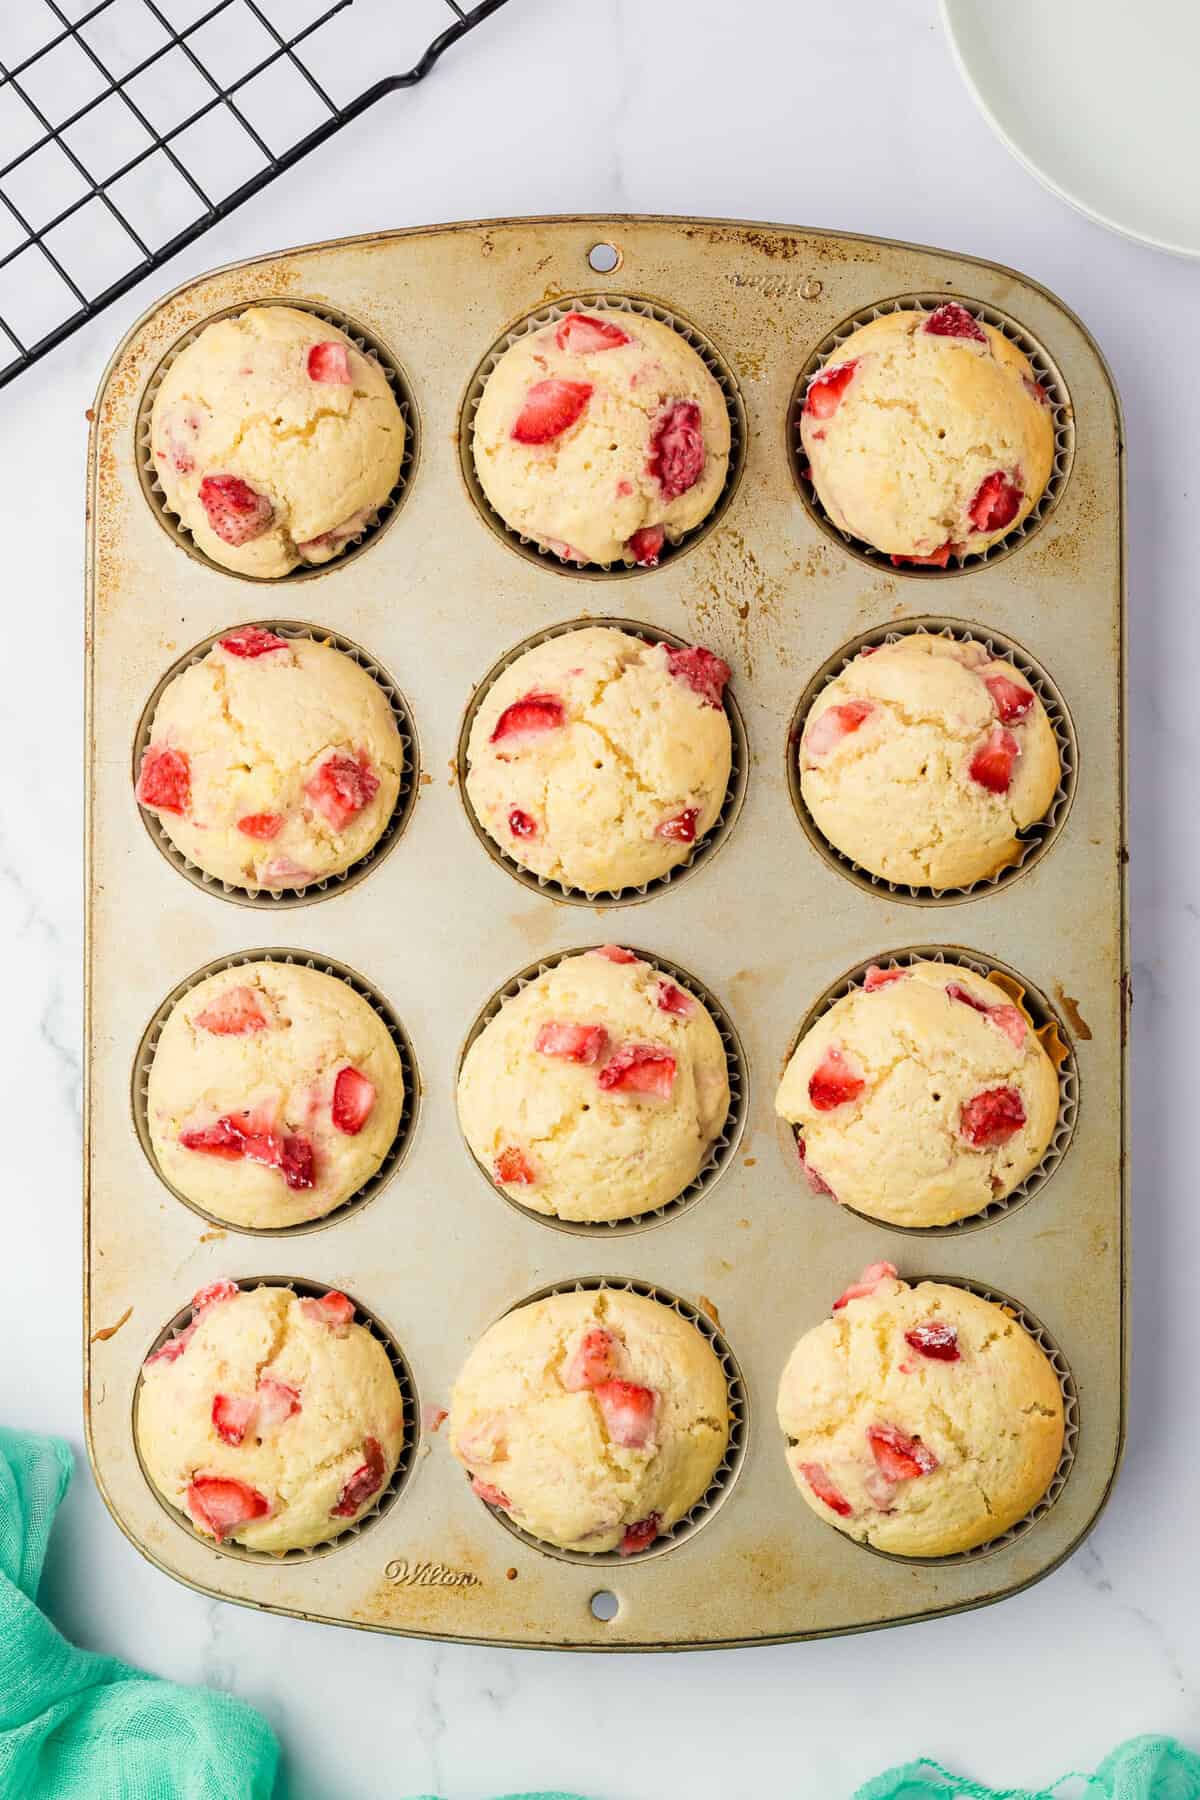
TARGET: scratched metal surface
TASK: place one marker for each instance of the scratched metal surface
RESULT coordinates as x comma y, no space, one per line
766,924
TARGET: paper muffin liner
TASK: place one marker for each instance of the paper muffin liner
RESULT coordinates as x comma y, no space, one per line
324,965
388,1494
327,885
701,852
727,1471
367,344
1045,370
717,367
1035,840
723,1148
1048,1029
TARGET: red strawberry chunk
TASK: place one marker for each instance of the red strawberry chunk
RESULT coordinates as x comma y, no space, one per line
937,559
251,641
214,1292
232,1014
953,320
615,953
825,390
645,546
366,1480
900,1457
520,823
282,871
513,1168
492,1496
640,1536
992,763
235,512
1008,1019
165,780
574,1043
171,1350
211,1295
1037,390
594,1361
232,1416
528,718
582,334
223,1138
818,1480
997,501
353,1098
814,1178
936,1339
682,828
834,724
834,1082
218,1506
639,1069
298,1162
672,999
332,1309
704,673
550,408
1011,699
262,826
341,787
877,978
277,1401
628,1412
330,362
676,459
873,1277
991,1117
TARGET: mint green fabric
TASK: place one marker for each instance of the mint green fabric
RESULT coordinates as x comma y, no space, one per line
1146,1768
74,1724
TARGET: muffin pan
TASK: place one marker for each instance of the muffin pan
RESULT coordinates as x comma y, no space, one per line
772,926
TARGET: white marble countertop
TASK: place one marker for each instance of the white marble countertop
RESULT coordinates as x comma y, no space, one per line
851,118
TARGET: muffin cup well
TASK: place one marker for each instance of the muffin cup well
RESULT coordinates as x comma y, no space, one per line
328,885
1046,372
701,853
717,367
1048,1028
324,965
722,1151
728,1469
1036,840
388,1495
363,340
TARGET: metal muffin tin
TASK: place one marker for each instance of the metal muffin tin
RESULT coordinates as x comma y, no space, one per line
770,926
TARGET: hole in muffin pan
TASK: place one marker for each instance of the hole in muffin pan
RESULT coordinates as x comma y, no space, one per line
1045,370
720,1156
1036,840
717,367
365,341
387,1496
1042,1014
324,965
728,1470
329,885
702,852
604,259
604,1606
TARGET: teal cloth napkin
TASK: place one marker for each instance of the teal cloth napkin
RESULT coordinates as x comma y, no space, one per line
1145,1768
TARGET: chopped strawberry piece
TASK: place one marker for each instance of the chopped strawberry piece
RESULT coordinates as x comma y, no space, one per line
682,828
213,1293
873,1277
834,724
204,1297
520,824
1008,1019
341,787
235,512
1012,700
936,1339
232,1416
814,1178
332,1309
251,641
937,559
640,1536
171,1350
330,362
281,871
529,717
672,999
353,1098
877,978
582,334
574,1043
676,459
823,1488
834,1082
223,1138
513,1168
825,390
565,552
218,1506
639,1069
262,826
298,1162
992,763
645,546
594,1361
550,408
366,1480
615,953
1037,390
953,320
277,1402
165,780
997,501
991,1118
704,673
491,1496
900,1457
628,1412
433,1417
232,1014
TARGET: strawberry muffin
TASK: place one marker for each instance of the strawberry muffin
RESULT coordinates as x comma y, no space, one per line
928,435
274,1094
597,1091
920,1420
599,760
921,1096
270,1421
595,1420
273,762
275,439
601,436
924,761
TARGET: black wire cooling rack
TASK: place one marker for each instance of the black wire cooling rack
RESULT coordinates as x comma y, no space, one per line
128,127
